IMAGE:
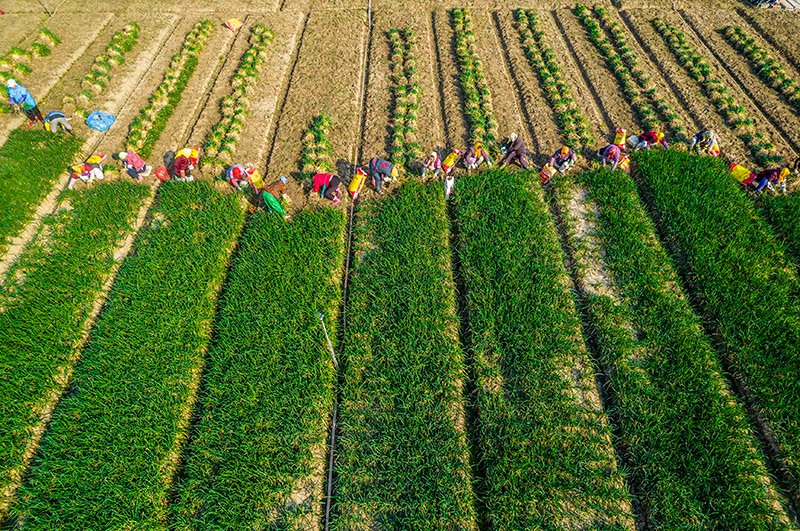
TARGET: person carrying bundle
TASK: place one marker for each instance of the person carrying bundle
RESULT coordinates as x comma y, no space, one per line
514,149
705,142
433,164
382,171
563,159
19,95
647,140
87,171
185,161
55,122
328,186
475,155
769,178
133,163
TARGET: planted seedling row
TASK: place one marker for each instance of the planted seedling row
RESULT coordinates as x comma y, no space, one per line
747,289
762,152
110,451
670,398
317,154
573,126
543,443
15,62
146,128
477,97
223,138
626,54
407,92
95,82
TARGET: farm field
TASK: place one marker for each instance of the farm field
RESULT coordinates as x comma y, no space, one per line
608,350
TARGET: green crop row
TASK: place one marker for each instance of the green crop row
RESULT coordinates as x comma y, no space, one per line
542,439
317,154
638,100
407,92
146,128
783,214
542,59
768,68
110,451
739,271
477,98
762,151
665,113
268,390
48,296
402,450
224,136
688,444
95,82
15,62
27,179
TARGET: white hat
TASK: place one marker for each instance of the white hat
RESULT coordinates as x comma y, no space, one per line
433,154
11,83
512,136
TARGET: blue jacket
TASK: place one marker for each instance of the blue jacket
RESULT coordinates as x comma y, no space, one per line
20,94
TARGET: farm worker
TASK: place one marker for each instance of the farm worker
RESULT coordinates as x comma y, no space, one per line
705,141
328,186
449,183
514,148
133,163
742,174
19,95
185,161
797,167
648,139
87,171
432,163
611,155
55,121
563,159
450,161
237,174
475,155
382,170
269,199
771,177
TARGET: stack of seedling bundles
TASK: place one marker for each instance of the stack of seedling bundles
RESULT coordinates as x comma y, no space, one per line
221,143
317,154
407,92
541,57
477,98
95,82
761,150
147,127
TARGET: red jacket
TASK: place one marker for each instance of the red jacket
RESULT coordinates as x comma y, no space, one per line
320,180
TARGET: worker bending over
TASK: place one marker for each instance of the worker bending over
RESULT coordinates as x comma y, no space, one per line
433,164
382,171
611,155
563,159
185,161
237,175
133,163
769,178
19,95
514,148
55,122
475,155
647,140
270,198
87,171
705,142
328,186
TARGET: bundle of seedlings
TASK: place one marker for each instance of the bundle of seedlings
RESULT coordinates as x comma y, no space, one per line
407,92
317,154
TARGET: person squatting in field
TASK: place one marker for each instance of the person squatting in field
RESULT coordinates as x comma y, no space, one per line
19,95
185,161
475,155
611,155
647,140
563,159
769,178
56,121
238,175
133,163
87,171
514,149
328,186
433,164
706,142
382,171
269,199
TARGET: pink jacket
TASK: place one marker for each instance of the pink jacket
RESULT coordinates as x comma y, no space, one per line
132,159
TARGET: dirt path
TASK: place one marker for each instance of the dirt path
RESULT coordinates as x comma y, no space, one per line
456,125
18,28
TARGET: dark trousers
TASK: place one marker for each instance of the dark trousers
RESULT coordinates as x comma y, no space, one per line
133,173
34,113
330,191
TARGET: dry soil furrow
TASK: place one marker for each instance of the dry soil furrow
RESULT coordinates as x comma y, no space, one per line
457,130
788,60
685,88
779,29
771,108
18,29
115,102
376,139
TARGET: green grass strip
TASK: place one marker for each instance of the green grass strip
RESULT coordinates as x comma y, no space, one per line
268,390
689,445
543,442
783,214
106,457
46,300
403,457
30,164
739,271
